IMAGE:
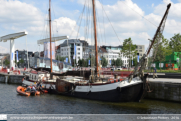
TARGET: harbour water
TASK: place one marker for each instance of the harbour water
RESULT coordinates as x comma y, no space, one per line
12,103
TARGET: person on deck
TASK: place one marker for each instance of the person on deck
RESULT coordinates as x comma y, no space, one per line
154,73
33,88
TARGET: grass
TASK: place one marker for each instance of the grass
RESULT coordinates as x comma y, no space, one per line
159,71
164,71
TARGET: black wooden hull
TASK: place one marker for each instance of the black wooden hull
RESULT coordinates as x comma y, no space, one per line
130,93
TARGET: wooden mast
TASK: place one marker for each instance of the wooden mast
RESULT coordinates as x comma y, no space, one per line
50,35
95,35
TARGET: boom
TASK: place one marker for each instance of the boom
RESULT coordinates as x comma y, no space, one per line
158,35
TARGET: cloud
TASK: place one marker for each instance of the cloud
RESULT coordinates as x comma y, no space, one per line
3,50
152,5
16,16
125,16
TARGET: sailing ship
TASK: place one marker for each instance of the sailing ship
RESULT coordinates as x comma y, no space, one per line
117,89
92,85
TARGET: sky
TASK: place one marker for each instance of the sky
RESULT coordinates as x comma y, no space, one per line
117,20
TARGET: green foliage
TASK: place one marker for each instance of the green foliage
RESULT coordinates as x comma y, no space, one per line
175,43
80,62
119,62
21,61
6,62
163,49
129,49
104,62
61,58
135,61
113,62
83,63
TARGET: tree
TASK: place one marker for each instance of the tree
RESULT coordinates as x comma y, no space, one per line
119,62
113,62
104,61
161,50
80,62
175,43
129,49
135,61
61,58
6,62
21,61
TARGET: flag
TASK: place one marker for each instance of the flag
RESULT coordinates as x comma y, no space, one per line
74,49
70,61
17,56
66,60
89,62
12,56
138,58
132,62
110,62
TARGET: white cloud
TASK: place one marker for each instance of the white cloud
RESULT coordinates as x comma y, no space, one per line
3,50
125,17
65,26
16,16
152,5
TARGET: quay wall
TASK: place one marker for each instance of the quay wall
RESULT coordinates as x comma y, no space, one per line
168,91
12,79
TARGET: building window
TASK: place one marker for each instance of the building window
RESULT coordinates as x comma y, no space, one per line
78,44
78,53
140,47
140,50
78,48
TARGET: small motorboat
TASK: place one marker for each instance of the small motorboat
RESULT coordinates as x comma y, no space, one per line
27,91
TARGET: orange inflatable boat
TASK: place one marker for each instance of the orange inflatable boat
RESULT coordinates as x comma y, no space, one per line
26,91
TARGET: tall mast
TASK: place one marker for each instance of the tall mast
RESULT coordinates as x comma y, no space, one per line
95,35
50,35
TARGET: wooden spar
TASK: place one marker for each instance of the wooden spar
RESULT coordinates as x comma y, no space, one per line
50,35
95,35
158,29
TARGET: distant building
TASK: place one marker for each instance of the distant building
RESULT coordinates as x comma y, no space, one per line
66,49
114,52
140,49
22,55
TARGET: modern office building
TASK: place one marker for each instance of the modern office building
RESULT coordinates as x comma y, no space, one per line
22,57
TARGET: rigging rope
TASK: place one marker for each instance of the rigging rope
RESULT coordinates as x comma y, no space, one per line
111,24
139,14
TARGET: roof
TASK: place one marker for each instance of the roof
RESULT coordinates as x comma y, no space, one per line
53,39
57,47
12,36
70,41
102,50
